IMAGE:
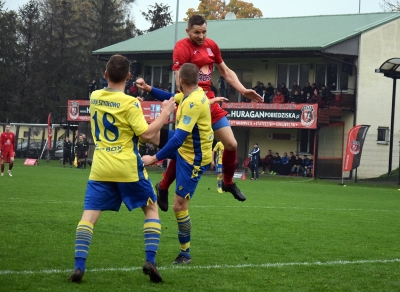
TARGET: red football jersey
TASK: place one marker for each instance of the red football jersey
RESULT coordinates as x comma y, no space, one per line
203,56
7,142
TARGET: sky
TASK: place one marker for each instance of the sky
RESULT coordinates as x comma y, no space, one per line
269,8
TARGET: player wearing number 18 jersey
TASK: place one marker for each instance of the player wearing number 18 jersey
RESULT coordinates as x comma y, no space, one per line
117,174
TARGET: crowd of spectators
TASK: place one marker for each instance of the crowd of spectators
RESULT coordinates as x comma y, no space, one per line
308,94
292,164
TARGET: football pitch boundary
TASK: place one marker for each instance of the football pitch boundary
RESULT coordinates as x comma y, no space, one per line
193,267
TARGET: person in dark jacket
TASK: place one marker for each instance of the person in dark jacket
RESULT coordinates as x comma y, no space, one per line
254,160
67,147
81,152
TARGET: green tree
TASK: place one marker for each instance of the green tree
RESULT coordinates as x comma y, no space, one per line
9,64
217,9
159,16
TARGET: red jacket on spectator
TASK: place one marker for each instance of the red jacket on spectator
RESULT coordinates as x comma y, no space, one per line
279,98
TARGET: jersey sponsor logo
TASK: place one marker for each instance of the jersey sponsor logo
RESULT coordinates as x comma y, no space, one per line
209,52
191,105
136,104
187,120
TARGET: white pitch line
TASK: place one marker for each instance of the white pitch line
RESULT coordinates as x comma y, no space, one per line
295,208
191,267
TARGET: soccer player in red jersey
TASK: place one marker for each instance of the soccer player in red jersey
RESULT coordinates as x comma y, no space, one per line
204,52
7,145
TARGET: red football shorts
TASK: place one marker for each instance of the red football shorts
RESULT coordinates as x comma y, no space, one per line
217,112
6,156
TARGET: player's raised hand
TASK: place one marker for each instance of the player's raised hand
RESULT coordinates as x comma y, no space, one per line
168,105
251,94
218,99
142,85
149,160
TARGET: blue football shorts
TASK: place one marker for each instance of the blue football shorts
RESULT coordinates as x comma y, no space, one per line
187,177
222,123
109,195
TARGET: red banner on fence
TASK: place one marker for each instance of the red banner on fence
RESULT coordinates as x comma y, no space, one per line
355,142
78,110
272,115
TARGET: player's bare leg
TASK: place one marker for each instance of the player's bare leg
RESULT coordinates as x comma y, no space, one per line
229,160
10,166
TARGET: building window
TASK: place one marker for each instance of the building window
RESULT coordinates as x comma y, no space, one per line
289,73
157,76
383,135
333,76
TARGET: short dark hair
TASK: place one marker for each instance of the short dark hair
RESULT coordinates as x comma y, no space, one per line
196,20
117,68
189,73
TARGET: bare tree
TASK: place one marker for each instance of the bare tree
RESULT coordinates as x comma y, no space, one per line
390,5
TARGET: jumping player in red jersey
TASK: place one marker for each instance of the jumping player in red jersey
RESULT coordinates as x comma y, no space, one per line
7,145
204,52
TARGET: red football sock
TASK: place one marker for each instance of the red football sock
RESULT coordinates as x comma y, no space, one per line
229,165
11,165
169,175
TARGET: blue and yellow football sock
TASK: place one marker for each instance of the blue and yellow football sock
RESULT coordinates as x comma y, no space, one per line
219,184
152,233
184,229
84,233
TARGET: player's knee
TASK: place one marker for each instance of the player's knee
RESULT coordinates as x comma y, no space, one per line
230,144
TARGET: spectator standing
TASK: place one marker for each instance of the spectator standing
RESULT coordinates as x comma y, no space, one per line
103,82
307,89
254,161
295,88
67,155
285,92
270,92
92,87
223,86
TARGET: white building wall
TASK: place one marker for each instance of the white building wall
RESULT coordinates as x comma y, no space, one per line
375,97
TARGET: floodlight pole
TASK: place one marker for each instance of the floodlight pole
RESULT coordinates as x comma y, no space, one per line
392,127
173,82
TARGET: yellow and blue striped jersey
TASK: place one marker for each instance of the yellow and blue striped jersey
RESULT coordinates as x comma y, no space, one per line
218,149
194,116
116,122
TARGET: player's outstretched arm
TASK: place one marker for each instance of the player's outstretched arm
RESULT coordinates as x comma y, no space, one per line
233,80
169,149
167,108
155,92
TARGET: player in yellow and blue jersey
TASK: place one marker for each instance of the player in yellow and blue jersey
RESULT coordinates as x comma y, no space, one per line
118,174
217,160
192,146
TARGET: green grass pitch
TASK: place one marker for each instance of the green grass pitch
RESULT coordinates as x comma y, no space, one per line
291,234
